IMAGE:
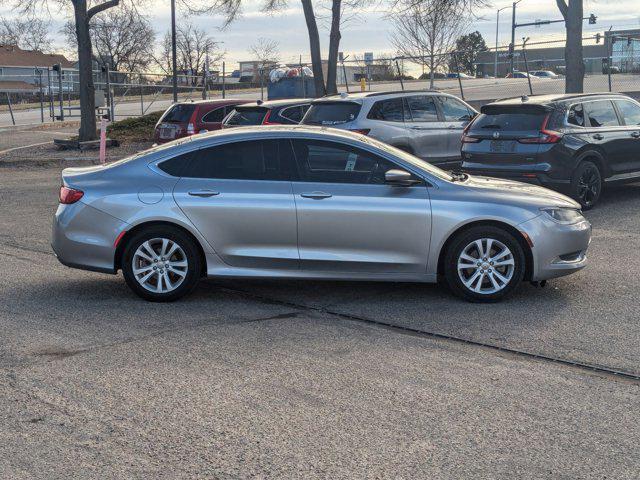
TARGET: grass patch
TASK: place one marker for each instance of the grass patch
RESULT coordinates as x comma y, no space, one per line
137,129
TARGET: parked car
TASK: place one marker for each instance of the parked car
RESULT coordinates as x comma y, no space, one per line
571,143
517,75
544,74
188,118
456,75
427,124
272,112
301,202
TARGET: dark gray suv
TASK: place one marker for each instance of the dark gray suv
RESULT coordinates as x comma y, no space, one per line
570,143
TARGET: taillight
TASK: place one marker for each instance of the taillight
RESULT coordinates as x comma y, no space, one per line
191,129
361,131
545,136
70,195
468,139
265,120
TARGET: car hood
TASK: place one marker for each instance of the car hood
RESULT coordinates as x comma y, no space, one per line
513,191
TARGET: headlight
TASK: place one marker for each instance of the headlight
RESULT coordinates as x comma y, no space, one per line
563,215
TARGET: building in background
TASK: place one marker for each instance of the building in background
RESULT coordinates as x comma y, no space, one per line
22,70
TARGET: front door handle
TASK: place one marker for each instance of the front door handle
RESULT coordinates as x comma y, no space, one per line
316,195
203,193
635,134
598,136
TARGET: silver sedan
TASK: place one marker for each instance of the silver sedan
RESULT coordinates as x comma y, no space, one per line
313,203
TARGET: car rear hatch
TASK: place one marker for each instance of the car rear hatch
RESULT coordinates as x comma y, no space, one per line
246,116
508,135
176,121
336,114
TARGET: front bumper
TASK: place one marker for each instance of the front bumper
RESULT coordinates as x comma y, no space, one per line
83,237
558,249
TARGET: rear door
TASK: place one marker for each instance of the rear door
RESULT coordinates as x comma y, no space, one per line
239,196
349,220
427,130
212,120
457,116
630,113
606,132
386,119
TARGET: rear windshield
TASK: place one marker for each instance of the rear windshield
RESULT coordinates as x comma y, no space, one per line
509,122
179,113
247,116
331,113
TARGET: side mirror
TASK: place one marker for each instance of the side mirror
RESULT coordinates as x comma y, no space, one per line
399,178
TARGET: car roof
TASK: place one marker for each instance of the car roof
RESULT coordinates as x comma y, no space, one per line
344,96
550,98
217,101
278,103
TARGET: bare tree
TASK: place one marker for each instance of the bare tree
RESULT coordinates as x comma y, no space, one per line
572,12
427,31
265,50
122,38
30,33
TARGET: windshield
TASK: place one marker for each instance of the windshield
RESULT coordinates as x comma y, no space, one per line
407,157
246,116
331,113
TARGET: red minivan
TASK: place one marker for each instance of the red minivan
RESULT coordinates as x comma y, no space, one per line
188,118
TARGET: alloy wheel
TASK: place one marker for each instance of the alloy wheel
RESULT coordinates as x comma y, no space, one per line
589,186
486,266
159,265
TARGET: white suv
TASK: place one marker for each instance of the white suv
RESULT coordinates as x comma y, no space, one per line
425,123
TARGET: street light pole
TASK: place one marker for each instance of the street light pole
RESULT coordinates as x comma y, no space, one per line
174,55
495,65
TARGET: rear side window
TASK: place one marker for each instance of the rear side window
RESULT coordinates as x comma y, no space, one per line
630,112
331,113
293,114
176,165
251,160
179,113
247,116
392,110
602,114
509,122
214,116
576,115
423,108
454,110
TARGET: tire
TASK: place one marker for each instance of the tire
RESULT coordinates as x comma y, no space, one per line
177,274
586,184
503,247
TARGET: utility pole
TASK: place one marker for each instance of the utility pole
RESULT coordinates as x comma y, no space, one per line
174,55
495,65
513,33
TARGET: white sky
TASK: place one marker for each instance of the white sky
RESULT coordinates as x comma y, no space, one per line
371,31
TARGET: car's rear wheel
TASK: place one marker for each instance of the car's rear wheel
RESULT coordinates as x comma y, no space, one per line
586,184
161,264
484,264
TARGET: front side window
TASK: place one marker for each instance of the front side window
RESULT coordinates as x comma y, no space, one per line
602,114
423,108
391,110
249,160
630,112
330,162
576,115
331,113
214,116
454,110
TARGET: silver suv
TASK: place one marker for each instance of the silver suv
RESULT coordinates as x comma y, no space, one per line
425,123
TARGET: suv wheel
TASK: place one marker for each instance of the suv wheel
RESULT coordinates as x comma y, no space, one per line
161,264
586,184
484,264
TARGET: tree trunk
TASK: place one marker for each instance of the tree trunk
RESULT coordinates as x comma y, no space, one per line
87,89
572,13
334,46
314,46
432,62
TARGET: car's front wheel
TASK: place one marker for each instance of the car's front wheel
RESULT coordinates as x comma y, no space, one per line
161,264
484,264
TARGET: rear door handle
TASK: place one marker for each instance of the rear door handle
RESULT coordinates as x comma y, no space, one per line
635,134
203,193
316,195
598,136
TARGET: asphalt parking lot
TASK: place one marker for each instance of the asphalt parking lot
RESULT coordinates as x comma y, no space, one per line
314,379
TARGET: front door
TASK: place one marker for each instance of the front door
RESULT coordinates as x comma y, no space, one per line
630,113
456,116
239,196
606,131
349,220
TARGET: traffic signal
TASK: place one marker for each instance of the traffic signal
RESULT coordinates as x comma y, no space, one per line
56,67
511,50
592,19
598,36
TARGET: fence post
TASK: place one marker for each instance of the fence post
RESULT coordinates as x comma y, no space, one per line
455,59
526,65
112,110
223,80
51,112
13,120
344,74
399,74
61,93
261,72
41,96
611,41
141,95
